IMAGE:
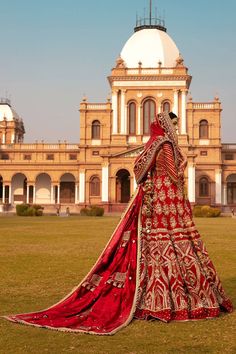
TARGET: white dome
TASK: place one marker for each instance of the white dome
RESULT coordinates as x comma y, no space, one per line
7,112
150,46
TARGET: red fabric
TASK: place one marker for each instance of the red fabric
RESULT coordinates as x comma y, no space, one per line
105,299
177,278
155,264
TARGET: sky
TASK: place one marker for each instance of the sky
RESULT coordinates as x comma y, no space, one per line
53,52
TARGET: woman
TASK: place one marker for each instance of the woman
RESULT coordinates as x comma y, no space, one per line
155,264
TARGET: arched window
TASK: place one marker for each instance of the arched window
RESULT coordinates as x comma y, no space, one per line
166,106
149,112
203,187
203,129
96,129
95,186
132,118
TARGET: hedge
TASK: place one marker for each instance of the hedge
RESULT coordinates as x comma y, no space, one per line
94,210
206,211
29,210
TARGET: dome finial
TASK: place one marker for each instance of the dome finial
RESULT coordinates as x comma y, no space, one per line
149,21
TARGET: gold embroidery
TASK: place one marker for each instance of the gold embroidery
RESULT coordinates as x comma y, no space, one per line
117,279
93,282
125,238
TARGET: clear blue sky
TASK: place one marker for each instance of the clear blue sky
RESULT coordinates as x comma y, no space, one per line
54,51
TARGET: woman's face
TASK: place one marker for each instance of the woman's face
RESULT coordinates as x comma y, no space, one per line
175,122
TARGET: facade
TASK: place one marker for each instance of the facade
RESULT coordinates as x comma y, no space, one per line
149,76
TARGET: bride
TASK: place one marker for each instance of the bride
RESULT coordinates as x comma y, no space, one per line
155,264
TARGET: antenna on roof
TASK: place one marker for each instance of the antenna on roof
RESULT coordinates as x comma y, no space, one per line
149,20
150,13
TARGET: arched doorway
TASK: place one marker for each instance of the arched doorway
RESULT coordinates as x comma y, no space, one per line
19,188
67,188
231,189
43,189
122,186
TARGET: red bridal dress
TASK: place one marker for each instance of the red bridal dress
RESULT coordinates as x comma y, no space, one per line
155,264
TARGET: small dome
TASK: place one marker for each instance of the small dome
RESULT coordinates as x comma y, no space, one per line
7,112
149,47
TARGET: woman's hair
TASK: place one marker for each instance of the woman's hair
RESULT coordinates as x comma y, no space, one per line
172,115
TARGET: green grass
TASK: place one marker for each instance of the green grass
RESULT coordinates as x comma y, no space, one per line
42,259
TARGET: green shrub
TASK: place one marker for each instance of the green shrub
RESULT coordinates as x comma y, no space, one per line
29,210
206,211
21,209
94,210
84,211
197,211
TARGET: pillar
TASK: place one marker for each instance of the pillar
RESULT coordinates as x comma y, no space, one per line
27,194
82,187
175,106
34,194
191,182
218,187
123,115
225,194
10,198
114,101
183,112
3,193
76,193
105,183
139,119
58,193
3,137
13,138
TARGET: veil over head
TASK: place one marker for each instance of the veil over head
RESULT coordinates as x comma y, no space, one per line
146,160
161,131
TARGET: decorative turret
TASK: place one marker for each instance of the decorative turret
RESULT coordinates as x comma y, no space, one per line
11,125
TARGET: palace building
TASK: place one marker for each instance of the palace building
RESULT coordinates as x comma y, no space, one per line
149,76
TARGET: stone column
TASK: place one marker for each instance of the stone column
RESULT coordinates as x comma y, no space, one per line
183,112
13,138
10,197
34,194
82,186
115,111
139,119
191,182
218,187
58,193
3,137
225,194
175,106
27,193
105,182
122,113
3,193
76,193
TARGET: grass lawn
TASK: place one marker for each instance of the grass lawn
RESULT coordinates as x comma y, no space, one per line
42,259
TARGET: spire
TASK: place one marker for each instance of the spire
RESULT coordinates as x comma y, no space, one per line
149,21
150,13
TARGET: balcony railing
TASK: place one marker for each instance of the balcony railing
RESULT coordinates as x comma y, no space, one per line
229,146
39,146
203,105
